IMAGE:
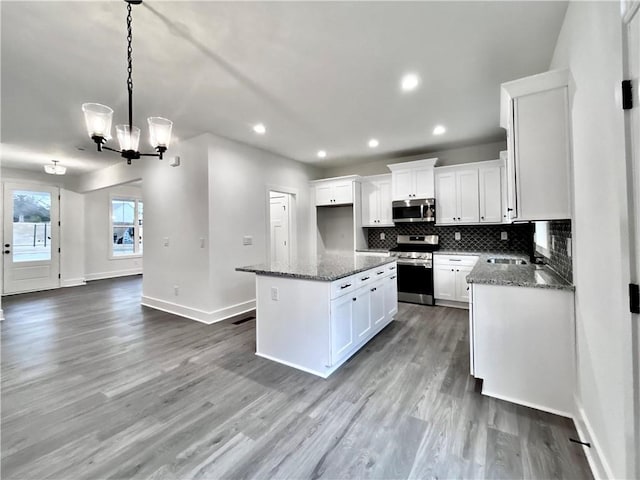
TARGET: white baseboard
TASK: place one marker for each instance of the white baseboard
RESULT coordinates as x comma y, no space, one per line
72,282
299,367
598,464
199,315
114,274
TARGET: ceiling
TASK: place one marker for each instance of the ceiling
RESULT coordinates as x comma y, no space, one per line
319,75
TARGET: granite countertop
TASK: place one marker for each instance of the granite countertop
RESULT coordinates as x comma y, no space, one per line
529,275
372,250
326,268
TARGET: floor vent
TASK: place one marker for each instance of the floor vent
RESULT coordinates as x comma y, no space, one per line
240,322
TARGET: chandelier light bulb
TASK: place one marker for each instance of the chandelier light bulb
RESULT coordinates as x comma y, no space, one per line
55,169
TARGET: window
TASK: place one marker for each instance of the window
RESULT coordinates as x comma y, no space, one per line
542,238
126,226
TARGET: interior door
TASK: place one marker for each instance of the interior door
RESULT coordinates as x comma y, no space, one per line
279,218
31,238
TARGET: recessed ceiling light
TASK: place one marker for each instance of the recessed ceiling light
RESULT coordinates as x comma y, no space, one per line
322,154
260,129
439,130
409,82
373,143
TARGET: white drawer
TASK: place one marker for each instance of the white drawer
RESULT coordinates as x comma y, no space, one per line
463,260
365,278
343,286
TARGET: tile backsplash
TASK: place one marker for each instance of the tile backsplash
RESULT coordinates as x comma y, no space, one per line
559,241
481,238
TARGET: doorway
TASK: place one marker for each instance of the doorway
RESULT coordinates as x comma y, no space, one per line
281,226
31,257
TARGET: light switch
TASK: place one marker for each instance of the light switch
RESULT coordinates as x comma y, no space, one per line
165,242
247,240
382,236
275,295
504,236
457,236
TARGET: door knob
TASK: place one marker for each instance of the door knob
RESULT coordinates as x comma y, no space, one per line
7,245
7,251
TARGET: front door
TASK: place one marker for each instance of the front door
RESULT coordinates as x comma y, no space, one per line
31,238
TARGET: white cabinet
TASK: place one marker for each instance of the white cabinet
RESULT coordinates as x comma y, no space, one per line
334,192
391,295
450,278
412,179
342,319
491,195
522,345
376,201
457,198
376,303
362,321
535,113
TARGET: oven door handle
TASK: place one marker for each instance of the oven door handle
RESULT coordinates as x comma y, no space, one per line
414,264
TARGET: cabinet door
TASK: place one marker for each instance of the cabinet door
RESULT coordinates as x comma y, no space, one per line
402,182
390,296
423,178
462,292
370,204
384,203
342,326
446,205
376,302
490,180
343,193
444,282
467,193
324,194
541,149
362,321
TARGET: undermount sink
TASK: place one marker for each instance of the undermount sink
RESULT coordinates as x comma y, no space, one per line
507,261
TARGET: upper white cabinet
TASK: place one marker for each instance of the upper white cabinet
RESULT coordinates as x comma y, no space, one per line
457,195
535,113
376,201
411,180
491,192
470,193
334,191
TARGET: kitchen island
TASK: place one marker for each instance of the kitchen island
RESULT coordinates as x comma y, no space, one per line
314,314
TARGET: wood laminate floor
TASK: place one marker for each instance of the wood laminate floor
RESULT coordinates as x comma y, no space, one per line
96,386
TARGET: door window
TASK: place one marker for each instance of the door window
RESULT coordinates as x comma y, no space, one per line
31,226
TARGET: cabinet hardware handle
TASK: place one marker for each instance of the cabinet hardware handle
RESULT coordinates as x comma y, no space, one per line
482,218
452,269
379,273
458,218
354,299
467,289
454,219
392,268
455,259
509,209
7,245
346,285
392,277
373,289
365,278
457,270
7,251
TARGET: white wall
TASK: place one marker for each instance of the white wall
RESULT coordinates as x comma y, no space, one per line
97,235
240,177
454,156
590,45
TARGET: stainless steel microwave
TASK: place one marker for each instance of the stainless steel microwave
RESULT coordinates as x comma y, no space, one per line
417,210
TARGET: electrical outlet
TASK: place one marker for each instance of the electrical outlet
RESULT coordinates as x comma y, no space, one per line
457,236
569,248
247,240
382,236
165,242
275,294
176,290
504,236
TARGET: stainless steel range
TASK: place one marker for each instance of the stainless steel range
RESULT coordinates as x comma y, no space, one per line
415,267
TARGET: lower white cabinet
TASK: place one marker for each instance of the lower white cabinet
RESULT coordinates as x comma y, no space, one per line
450,277
522,345
342,325
391,294
377,313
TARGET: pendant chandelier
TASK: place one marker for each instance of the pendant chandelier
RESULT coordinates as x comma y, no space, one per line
98,118
55,169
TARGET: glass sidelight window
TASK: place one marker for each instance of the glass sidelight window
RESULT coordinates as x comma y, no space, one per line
126,226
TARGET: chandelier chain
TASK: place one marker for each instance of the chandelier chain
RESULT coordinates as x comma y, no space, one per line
129,49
